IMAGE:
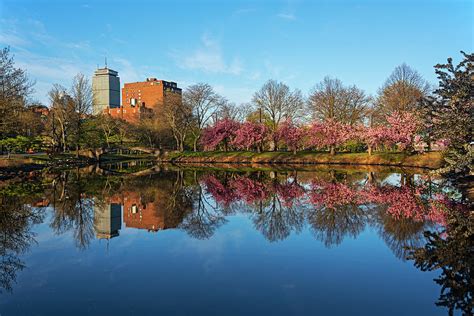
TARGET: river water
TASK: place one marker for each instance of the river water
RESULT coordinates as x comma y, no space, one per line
173,240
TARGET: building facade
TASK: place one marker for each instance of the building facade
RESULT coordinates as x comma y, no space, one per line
106,90
144,98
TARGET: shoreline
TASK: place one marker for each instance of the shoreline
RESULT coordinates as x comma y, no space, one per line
430,160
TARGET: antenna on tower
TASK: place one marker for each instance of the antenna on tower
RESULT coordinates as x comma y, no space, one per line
105,61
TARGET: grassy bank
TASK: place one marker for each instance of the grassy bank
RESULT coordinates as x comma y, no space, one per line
431,160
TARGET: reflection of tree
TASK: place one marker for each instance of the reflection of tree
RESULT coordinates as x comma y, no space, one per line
332,224
205,217
454,255
337,212
398,233
275,220
73,210
16,220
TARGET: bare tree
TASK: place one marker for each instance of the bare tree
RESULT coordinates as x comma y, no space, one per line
180,119
402,91
330,99
231,111
82,97
108,126
204,102
280,103
62,112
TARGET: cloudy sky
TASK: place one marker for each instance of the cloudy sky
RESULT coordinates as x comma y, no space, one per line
234,45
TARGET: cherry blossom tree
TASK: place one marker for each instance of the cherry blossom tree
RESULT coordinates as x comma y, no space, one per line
292,135
223,132
250,135
372,136
402,128
328,133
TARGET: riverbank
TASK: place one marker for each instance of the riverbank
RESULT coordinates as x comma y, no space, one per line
429,160
19,165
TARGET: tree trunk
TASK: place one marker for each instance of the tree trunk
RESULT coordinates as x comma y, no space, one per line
332,150
370,150
178,143
195,144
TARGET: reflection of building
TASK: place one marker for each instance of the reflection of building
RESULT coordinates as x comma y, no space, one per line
107,220
106,89
140,214
150,212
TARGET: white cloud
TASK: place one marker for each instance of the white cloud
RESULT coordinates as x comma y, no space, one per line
286,16
243,11
209,58
12,40
235,94
127,72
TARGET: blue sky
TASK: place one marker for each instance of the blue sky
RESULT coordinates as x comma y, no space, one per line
234,45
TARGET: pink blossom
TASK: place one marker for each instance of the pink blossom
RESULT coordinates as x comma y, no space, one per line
222,132
250,135
328,133
292,135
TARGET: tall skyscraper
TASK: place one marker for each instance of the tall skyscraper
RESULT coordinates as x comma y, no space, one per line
106,89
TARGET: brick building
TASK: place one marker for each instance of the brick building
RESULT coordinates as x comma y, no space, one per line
142,98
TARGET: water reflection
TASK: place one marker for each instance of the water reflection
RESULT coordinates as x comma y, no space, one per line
17,216
409,212
335,205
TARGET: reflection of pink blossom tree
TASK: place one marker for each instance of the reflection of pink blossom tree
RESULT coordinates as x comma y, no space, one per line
250,190
331,194
408,201
222,194
289,192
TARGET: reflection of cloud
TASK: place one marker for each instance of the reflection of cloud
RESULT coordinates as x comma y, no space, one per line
212,250
209,58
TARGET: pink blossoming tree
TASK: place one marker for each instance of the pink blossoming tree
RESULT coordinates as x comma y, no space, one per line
250,135
223,132
292,135
328,133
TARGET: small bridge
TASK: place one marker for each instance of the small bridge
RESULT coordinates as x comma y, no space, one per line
98,152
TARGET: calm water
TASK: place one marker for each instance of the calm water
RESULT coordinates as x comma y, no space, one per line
194,241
